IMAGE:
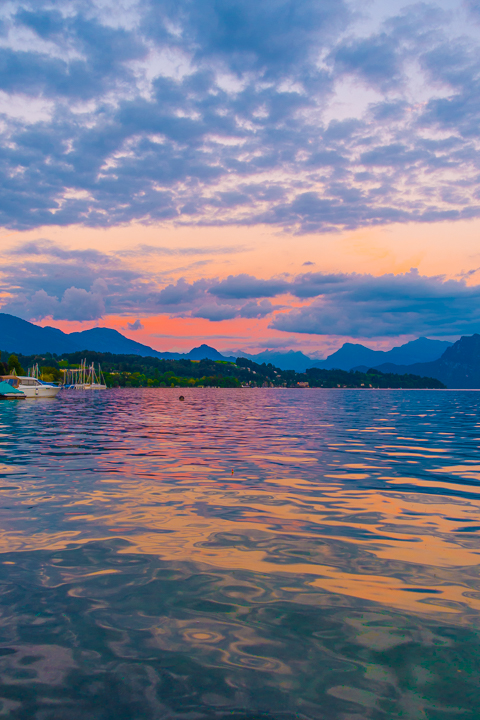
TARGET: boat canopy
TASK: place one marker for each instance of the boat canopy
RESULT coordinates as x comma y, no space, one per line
6,388
11,380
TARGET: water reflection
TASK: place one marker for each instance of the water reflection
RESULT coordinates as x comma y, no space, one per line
335,574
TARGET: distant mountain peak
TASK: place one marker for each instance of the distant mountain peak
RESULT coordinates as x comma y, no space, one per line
205,352
103,339
458,367
352,355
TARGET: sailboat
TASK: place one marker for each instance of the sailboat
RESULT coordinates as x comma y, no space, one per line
95,380
84,378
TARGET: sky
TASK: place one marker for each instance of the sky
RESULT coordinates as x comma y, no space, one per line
254,174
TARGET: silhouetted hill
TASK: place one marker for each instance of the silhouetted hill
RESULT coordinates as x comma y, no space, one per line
352,355
108,340
20,336
206,352
458,367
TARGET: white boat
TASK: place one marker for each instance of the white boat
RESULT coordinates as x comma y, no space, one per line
31,387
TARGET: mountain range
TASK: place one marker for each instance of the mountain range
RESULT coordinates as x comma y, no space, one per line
20,336
351,355
25,338
108,340
290,360
458,367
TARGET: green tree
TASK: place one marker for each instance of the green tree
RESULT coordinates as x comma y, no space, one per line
14,364
50,374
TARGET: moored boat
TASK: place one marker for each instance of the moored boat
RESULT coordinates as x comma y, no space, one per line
31,387
83,378
8,391
95,380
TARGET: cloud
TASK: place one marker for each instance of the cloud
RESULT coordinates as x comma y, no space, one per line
75,304
180,293
272,36
365,306
474,7
246,286
47,248
222,311
219,113
100,53
45,280
214,312
257,309
145,250
374,59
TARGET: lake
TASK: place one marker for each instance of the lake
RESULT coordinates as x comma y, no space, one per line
244,554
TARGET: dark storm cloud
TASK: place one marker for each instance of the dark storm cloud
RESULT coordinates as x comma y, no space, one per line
237,136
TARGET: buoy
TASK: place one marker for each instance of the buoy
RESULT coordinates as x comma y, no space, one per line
181,397
232,472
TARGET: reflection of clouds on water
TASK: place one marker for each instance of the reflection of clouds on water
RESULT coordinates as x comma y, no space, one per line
173,635
329,575
160,479
367,543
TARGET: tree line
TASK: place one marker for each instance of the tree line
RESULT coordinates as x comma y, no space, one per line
137,371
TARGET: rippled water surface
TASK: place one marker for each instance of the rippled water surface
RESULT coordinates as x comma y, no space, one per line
243,554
